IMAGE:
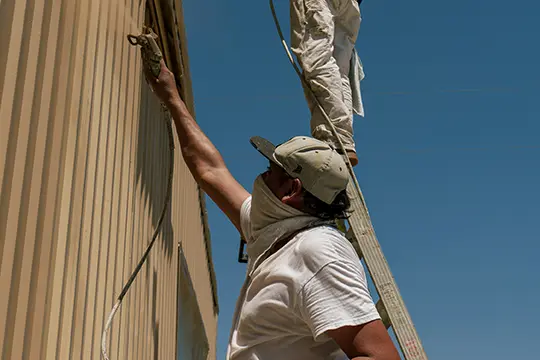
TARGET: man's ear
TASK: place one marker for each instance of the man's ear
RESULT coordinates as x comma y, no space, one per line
296,188
294,196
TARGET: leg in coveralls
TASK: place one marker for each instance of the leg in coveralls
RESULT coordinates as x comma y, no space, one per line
323,34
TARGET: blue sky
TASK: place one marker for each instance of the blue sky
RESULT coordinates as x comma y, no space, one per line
449,153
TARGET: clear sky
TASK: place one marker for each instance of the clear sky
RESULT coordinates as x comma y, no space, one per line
449,154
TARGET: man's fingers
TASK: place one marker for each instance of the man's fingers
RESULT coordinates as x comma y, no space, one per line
163,65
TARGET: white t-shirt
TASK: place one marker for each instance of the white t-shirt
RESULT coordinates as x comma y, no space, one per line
313,284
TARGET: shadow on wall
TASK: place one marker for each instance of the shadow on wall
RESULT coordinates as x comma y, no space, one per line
153,162
192,339
155,324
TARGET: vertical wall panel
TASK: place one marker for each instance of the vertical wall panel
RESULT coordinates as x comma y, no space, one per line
84,160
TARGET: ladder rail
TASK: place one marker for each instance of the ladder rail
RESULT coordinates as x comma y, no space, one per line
395,312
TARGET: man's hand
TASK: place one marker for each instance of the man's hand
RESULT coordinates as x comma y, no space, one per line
164,86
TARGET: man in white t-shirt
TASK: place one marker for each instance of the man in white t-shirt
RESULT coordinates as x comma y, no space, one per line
305,296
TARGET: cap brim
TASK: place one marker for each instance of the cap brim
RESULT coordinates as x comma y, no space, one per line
265,147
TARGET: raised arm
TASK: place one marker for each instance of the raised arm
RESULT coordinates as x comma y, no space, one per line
202,158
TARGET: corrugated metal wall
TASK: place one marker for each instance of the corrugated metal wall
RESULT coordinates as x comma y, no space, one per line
83,164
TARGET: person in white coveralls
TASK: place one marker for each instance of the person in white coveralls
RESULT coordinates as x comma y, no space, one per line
323,37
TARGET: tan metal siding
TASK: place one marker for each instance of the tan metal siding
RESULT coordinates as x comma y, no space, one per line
83,165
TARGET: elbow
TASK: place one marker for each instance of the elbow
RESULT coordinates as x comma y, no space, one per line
209,176
390,353
202,162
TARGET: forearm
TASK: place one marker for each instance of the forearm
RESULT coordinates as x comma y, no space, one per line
206,164
202,158
199,153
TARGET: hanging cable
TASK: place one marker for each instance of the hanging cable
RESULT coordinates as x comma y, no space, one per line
151,56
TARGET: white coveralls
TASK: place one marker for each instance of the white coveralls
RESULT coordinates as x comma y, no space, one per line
323,34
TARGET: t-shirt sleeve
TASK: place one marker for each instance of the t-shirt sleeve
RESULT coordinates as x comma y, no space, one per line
336,296
245,219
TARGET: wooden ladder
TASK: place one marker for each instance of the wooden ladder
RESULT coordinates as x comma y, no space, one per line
390,305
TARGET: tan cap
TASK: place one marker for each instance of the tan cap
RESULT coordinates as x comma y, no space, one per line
319,167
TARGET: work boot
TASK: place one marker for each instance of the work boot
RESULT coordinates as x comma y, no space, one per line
351,154
353,158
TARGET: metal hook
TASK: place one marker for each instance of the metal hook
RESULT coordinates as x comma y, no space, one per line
151,54
133,40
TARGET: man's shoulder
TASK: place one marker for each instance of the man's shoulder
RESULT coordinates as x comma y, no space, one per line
321,237
321,245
